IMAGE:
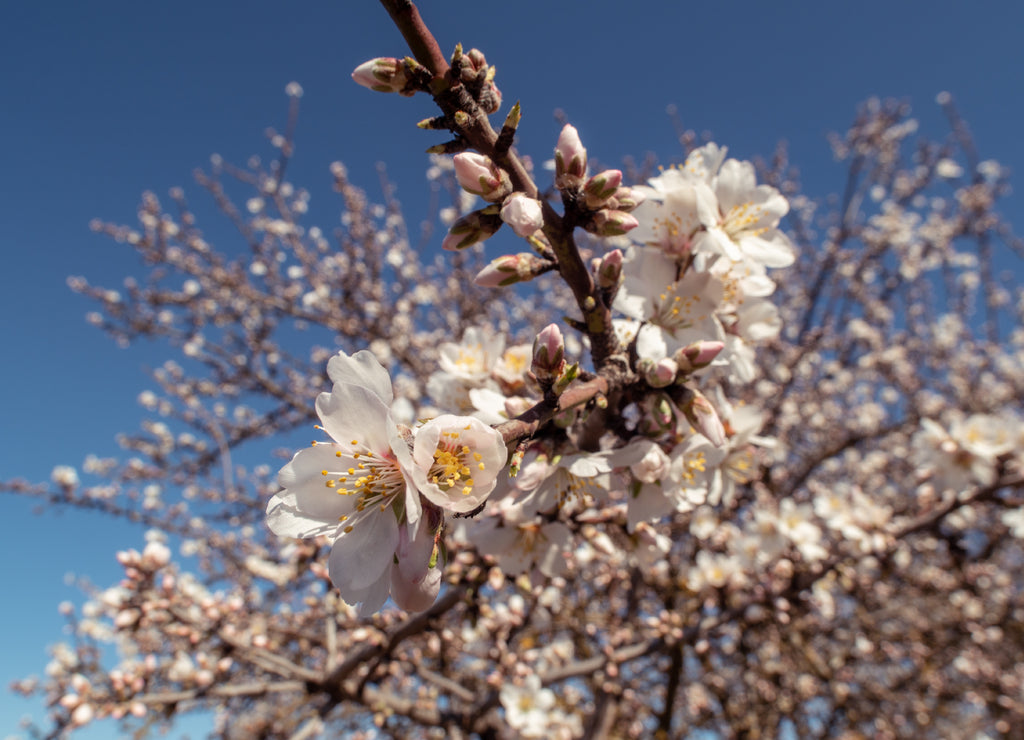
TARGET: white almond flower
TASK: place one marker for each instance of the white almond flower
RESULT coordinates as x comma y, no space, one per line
473,358
458,459
528,707
675,207
745,229
675,310
566,481
357,489
522,542
955,459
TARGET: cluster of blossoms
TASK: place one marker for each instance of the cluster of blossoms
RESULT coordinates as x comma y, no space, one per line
378,489
691,298
665,516
969,453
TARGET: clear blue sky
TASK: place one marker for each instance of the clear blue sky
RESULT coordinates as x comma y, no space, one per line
105,99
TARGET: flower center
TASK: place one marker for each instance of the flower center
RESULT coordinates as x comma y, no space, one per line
673,311
375,479
452,461
741,219
693,463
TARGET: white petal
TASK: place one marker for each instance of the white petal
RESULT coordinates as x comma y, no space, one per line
362,369
371,598
551,561
285,520
360,555
353,412
304,478
774,252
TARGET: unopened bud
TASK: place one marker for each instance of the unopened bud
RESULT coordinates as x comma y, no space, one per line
490,97
611,223
703,417
570,159
658,373
478,175
506,270
626,199
602,186
657,416
472,228
548,354
609,269
697,356
523,214
477,63
383,74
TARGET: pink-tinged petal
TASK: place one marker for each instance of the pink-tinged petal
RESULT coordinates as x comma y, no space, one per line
361,554
418,595
415,551
414,583
363,369
523,214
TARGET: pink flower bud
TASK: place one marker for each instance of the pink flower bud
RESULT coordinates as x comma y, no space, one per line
658,373
611,223
602,186
523,214
478,175
697,356
506,270
609,269
470,229
703,417
626,199
383,74
548,354
570,159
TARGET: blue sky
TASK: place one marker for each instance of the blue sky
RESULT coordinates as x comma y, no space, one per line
103,100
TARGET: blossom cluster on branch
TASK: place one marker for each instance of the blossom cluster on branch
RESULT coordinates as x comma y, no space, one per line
734,461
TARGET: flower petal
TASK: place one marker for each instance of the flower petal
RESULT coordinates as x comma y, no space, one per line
362,553
362,369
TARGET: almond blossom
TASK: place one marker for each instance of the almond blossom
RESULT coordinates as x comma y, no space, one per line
357,489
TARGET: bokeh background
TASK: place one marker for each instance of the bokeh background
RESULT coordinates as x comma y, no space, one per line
102,100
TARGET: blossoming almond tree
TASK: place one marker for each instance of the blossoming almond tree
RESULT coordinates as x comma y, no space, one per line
735,466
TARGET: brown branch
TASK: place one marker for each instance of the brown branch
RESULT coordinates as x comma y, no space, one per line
416,34
528,422
221,691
